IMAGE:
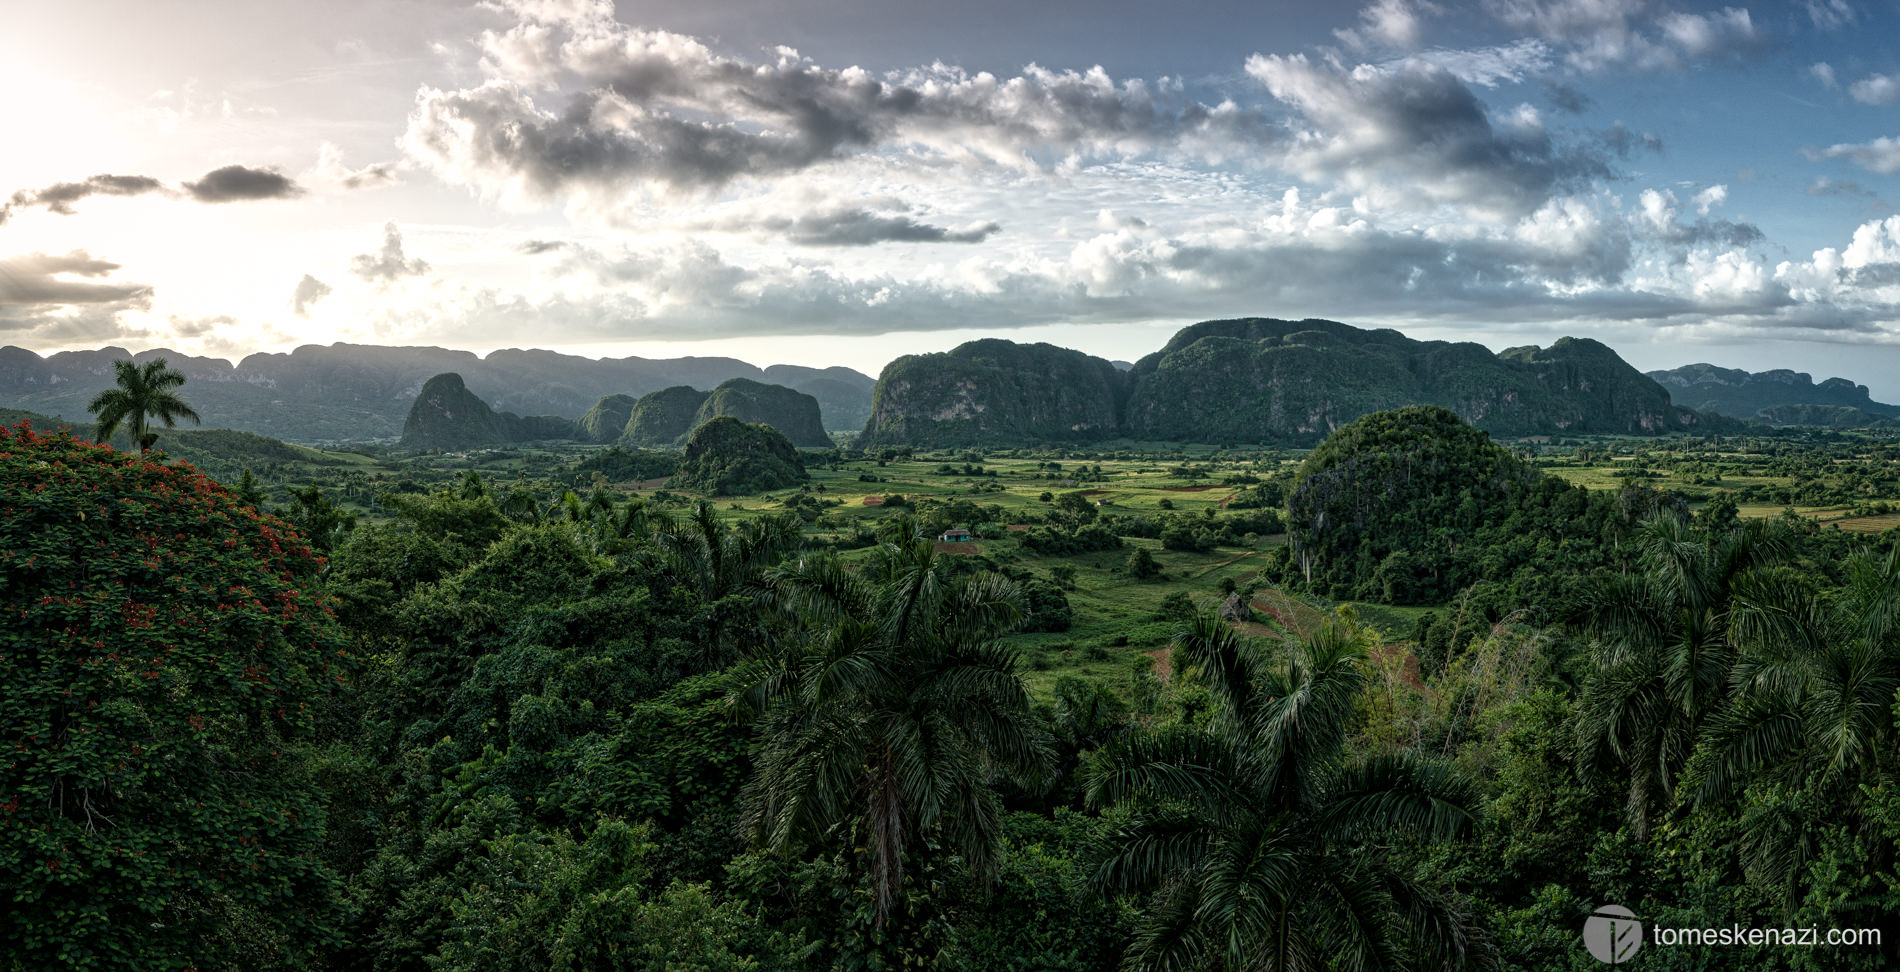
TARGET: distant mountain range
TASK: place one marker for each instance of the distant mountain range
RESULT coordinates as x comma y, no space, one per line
1259,380
447,416
348,392
1779,397
1252,380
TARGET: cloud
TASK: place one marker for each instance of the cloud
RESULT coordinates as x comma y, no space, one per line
309,291
1598,35
1415,135
1489,67
237,183
42,278
1831,14
1824,72
1823,186
1583,260
1657,216
331,171
535,247
1876,89
1619,139
388,265
1729,31
59,198
59,296
1567,99
658,111
1882,155
1393,24
838,225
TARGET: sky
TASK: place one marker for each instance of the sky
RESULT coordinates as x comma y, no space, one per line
845,181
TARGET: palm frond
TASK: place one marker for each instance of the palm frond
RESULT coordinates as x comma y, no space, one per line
1399,793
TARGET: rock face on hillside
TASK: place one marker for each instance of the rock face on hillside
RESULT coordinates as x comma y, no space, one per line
1774,397
664,418
446,415
994,392
728,457
607,419
1259,380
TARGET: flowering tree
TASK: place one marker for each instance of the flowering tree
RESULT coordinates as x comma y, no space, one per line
160,656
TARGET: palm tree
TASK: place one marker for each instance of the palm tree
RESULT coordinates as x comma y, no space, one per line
1262,844
145,391
1812,711
892,715
1668,636
723,566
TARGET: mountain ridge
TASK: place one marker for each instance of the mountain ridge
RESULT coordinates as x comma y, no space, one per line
357,392
1779,396
1261,380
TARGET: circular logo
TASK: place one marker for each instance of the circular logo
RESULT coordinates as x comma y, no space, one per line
1613,934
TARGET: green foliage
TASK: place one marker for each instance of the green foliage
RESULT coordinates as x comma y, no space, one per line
1263,380
665,418
162,648
447,416
893,716
1021,393
727,457
1251,835
1141,564
626,465
1778,397
1413,505
793,413
144,392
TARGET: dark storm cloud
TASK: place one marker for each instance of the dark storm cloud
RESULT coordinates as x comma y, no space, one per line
231,183
237,183
1415,129
663,109
309,291
59,197
862,227
387,265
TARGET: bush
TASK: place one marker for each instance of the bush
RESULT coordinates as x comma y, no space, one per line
162,650
1141,564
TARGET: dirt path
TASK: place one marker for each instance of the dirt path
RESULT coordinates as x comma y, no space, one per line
1164,664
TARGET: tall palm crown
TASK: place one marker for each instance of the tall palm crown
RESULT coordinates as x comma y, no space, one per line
1668,636
144,392
891,712
1812,714
1264,845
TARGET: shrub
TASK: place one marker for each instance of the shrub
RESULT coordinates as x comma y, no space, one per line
161,654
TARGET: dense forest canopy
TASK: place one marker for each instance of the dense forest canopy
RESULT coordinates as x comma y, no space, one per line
1412,699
